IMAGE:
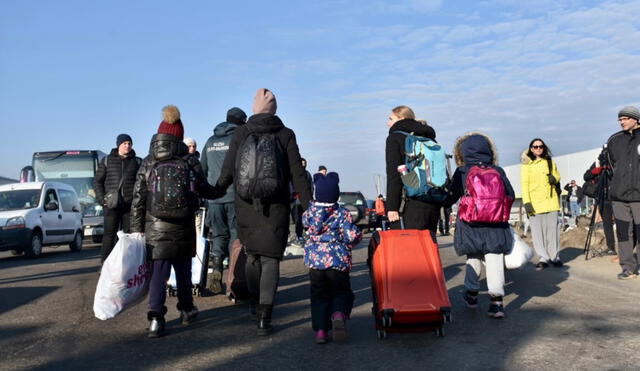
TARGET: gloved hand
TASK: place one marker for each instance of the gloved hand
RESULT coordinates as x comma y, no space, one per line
552,179
529,209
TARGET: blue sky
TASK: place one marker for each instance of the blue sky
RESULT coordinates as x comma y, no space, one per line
75,74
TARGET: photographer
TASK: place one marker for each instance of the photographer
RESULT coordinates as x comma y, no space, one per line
624,157
596,177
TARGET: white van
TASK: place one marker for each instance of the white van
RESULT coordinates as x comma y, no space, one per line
39,213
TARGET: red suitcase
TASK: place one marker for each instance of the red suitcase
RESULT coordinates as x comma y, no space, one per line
407,282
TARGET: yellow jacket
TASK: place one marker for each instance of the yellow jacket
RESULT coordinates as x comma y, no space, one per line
535,185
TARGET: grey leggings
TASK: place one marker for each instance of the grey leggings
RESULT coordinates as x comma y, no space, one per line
544,230
263,274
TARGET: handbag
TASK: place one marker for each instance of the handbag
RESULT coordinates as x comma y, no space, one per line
113,199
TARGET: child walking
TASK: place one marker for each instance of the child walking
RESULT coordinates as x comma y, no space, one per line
482,230
330,237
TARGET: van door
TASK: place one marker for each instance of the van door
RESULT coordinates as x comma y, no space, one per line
51,219
71,217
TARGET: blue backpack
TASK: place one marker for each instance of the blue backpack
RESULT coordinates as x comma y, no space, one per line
428,177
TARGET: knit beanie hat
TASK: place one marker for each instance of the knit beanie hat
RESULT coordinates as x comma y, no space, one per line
237,116
123,138
188,141
171,123
326,187
264,102
322,167
630,111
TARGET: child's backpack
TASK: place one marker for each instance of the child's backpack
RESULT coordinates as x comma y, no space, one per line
427,178
260,167
485,199
171,189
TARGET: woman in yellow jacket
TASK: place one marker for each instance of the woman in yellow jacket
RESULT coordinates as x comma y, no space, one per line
539,176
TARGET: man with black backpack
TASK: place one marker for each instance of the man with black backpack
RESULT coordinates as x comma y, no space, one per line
165,201
263,159
113,184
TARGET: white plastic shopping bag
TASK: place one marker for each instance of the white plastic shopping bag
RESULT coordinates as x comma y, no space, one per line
520,254
124,278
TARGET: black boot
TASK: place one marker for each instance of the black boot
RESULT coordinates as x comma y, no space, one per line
188,313
156,324
264,319
215,278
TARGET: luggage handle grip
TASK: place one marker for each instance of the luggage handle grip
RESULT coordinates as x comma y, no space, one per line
384,224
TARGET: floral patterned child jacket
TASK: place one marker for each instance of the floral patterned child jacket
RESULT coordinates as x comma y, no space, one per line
330,236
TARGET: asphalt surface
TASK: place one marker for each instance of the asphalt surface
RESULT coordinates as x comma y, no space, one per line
579,317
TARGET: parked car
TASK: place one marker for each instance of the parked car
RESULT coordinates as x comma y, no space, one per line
36,214
362,215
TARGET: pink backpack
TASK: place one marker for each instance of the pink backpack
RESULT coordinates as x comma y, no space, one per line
485,199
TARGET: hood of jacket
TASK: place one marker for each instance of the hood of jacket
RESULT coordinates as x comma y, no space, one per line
264,123
412,126
524,157
474,148
224,129
165,146
323,216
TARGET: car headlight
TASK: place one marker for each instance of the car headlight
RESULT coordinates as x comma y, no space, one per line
15,223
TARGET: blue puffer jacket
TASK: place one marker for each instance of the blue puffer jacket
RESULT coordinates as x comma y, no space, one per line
330,236
473,149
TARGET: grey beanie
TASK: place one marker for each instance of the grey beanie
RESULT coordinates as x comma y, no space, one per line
630,111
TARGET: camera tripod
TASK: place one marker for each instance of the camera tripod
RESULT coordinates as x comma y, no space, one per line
601,194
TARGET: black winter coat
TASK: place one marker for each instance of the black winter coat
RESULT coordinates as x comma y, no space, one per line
111,169
477,239
624,157
416,214
264,228
167,238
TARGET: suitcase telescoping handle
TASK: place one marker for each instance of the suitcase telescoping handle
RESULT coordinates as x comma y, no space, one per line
385,227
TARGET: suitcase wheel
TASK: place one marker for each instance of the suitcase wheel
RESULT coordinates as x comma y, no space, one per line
440,332
386,321
382,334
447,317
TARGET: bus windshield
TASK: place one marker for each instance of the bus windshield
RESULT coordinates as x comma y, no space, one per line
74,168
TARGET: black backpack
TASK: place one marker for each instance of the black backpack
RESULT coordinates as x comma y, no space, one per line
171,189
260,166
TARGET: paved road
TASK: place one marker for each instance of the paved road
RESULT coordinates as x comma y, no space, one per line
578,317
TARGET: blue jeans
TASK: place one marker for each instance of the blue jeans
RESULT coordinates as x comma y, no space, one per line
222,223
575,209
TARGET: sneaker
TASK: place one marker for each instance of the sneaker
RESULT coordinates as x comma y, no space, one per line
496,310
557,263
321,337
339,324
188,316
610,252
470,299
542,265
626,275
